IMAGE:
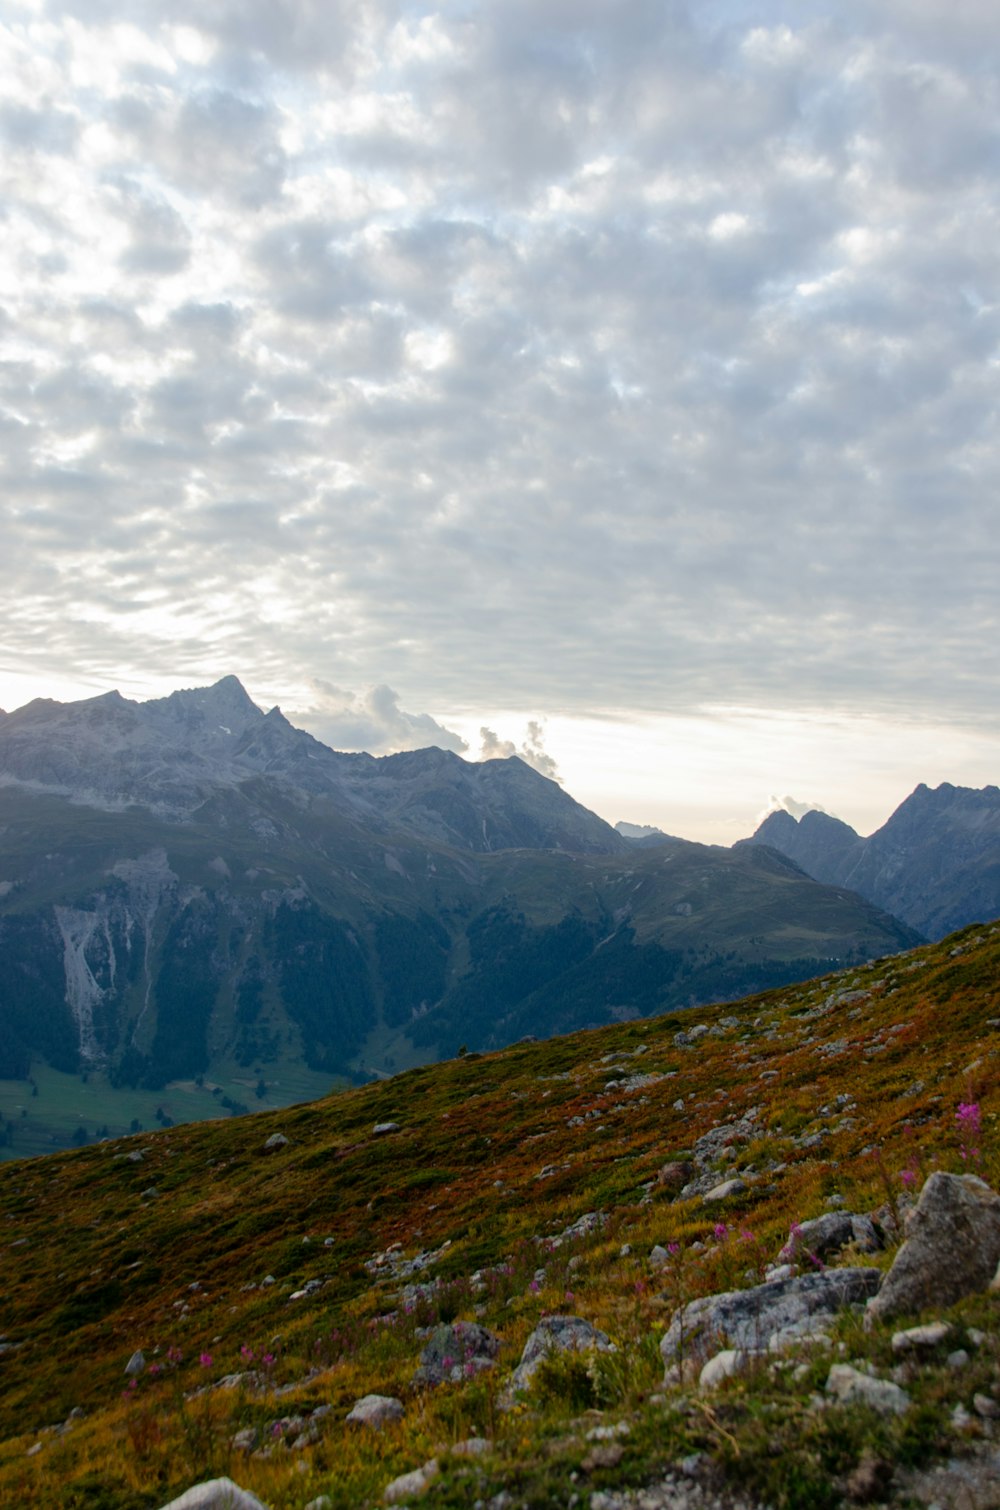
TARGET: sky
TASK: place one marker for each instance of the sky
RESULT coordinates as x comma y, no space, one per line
609,381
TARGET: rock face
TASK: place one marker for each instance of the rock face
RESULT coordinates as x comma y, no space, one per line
748,1319
456,1352
952,1247
935,862
556,1334
216,1494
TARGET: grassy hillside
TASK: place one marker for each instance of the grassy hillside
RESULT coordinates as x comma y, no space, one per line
288,1268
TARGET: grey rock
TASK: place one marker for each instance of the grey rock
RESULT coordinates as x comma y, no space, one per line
471,1447
135,1364
375,1411
725,1365
275,1141
852,1386
381,1129
826,1235
918,1339
411,1483
724,1191
557,1334
216,1494
951,1249
321,1502
246,1440
748,1319
455,1352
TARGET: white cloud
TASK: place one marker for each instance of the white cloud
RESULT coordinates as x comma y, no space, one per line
531,749
372,721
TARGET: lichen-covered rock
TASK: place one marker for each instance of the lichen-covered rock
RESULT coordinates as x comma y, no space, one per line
455,1352
747,1319
951,1248
557,1334
216,1494
375,1411
853,1387
825,1235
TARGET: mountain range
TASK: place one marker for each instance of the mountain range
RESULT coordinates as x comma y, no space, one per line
934,864
198,899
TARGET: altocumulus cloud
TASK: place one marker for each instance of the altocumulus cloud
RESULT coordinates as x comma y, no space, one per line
522,353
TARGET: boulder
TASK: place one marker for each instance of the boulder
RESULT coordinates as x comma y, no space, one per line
557,1334
383,1129
826,1235
375,1411
853,1387
274,1142
216,1494
455,1352
409,1484
921,1339
747,1319
951,1248
728,1188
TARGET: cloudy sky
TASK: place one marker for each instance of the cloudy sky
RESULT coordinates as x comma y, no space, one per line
616,377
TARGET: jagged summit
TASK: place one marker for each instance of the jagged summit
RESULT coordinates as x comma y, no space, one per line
172,754
935,862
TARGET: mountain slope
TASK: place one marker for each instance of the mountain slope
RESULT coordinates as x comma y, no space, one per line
534,1180
935,863
199,901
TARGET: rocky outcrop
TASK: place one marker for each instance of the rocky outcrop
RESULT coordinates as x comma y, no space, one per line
556,1334
748,1319
456,1352
826,1235
951,1248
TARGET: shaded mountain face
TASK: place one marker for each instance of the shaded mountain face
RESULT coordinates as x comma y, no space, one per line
935,863
192,887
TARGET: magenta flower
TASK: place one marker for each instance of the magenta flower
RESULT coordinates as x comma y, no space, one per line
721,1232
205,1360
174,1355
246,1353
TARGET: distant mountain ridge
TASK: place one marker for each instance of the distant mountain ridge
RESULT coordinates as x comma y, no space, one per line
172,754
192,887
935,863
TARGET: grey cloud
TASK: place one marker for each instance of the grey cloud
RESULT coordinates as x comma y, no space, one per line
658,373
43,128
373,721
161,243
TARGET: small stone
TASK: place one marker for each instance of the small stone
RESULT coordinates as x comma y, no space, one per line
960,1418
625,1250
247,1440
150,1194
274,1142
321,1502
725,1365
920,1338
606,1455
958,1359
985,1406
472,1447
411,1483
724,1191
375,1411
135,1364
381,1129
658,1257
